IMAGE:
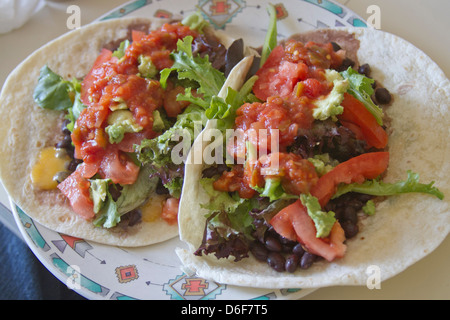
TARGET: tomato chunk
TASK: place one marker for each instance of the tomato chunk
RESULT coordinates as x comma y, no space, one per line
170,210
356,114
88,81
278,77
294,223
358,169
76,189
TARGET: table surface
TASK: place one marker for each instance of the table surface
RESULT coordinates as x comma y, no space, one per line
425,24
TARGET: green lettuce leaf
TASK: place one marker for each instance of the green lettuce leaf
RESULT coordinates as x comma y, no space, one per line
52,91
270,40
108,211
219,201
224,110
361,89
198,69
380,188
157,151
195,22
273,190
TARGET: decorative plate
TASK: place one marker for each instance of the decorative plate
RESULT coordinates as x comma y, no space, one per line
98,271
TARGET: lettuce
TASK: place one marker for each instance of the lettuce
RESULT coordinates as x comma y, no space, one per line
273,190
270,41
162,152
229,224
55,93
52,91
105,208
109,211
361,89
380,188
224,110
158,151
197,69
195,22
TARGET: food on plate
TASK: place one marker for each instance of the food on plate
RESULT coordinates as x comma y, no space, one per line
322,180
92,119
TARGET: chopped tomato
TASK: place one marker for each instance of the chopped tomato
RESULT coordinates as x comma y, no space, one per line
297,175
157,45
294,223
313,88
171,105
235,180
170,210
282,224
280,117
76,189
294,219
356,114
137,35
355,170
88,81
278,77
118,167
293,63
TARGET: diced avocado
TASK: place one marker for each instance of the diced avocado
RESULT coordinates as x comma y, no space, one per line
119,123
146,67
99,191
323,220
158,122
329,106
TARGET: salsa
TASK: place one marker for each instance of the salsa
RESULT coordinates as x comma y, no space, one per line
123,91
289,83
114,84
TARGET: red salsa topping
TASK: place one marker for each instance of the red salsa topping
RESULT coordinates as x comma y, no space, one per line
289,81
113,83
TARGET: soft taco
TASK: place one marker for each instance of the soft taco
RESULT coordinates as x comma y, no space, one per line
345,194
90,121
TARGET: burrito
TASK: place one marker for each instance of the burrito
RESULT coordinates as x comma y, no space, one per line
335,161
94,119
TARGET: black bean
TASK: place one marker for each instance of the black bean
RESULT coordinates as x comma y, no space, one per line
346,63
287,247
276,261
115,191
65,143
374,84
351,229
160,189
350,214
64,127
61,176
336,47
259,251
72,166
214,170
365,69
273,244
307,260
292,262
383,96
298,250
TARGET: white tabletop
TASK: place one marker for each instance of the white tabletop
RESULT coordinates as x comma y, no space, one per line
424,23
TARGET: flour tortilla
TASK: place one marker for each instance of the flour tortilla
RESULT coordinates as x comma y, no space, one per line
26,128
405,228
